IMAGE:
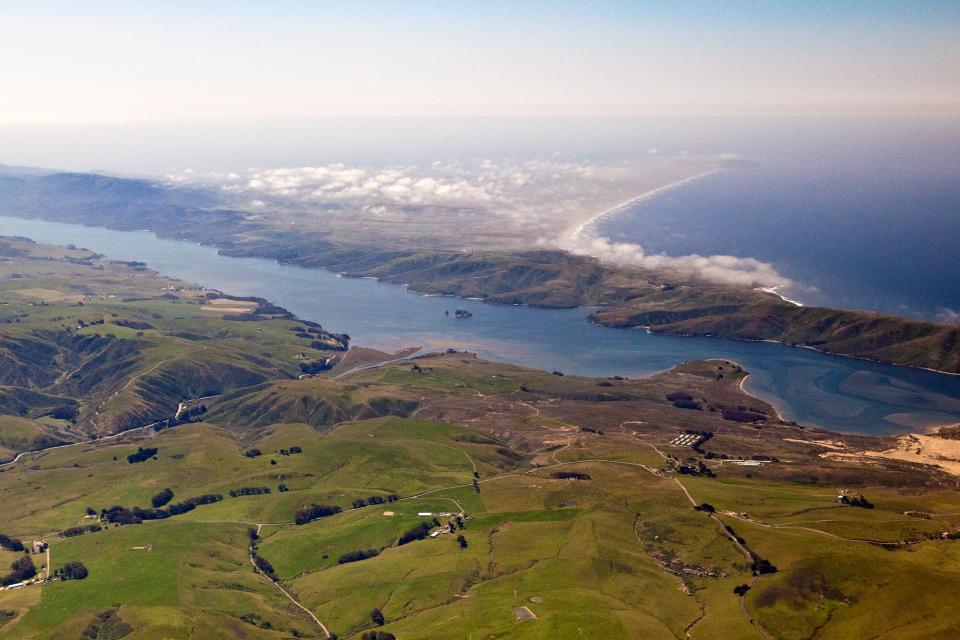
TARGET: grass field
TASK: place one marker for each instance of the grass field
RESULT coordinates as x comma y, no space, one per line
574,497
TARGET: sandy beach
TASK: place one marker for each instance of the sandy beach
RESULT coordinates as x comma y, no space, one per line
577,233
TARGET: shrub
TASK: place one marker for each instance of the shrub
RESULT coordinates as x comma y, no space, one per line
377,617
107,624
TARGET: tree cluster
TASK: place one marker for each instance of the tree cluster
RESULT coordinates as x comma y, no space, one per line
861,502
418,532
378,635
20,569
72,571
317,366
249,491
308,513
79,531
697,468
136,515
356,556
362,502
143,454
742,415
10,544
570,475
264,567
253,453
762,566
292,451
162,498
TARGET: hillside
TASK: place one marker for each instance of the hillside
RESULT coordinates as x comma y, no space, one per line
671,303
434,496
94,347
574,498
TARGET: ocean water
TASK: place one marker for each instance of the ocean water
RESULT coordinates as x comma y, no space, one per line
859,214
828,391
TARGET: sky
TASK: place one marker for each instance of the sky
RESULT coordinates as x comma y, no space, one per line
97,61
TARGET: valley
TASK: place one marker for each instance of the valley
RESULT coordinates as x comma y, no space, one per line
304,498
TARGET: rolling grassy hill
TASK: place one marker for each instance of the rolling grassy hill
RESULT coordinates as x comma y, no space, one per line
98,347
672,506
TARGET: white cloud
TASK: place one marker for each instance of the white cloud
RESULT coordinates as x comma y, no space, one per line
947,315
541,200
723,269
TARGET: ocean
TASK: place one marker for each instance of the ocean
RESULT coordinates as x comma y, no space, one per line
858,214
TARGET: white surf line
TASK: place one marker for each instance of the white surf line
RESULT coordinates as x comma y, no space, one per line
774,291
570,238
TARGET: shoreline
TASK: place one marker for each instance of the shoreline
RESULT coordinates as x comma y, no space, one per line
648,329
776,410
773,290
570,237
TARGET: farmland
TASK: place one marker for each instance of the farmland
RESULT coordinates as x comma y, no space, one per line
488,500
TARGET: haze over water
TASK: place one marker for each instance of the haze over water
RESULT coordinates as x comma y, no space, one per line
857,212
862,214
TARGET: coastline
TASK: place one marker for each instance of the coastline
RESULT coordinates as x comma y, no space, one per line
287,260
774,291
569,238
776,409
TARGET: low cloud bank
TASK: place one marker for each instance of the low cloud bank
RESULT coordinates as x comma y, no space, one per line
723,269
533,198
513,189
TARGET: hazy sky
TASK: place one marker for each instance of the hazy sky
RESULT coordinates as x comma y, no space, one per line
171,61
